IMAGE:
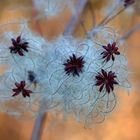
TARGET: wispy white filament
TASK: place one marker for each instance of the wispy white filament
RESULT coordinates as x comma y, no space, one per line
72,95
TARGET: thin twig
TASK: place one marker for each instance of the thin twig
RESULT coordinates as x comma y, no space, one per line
75,18
130,32
39,123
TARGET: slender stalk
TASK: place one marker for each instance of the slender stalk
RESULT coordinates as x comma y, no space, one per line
109,15
103,23
111,18
130,32
39,123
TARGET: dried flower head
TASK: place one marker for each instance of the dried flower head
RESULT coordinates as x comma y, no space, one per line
74,65
19,46
128,2
109,51
106,80
20,89
32,77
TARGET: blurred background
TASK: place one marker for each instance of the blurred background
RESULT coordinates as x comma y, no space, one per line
121,124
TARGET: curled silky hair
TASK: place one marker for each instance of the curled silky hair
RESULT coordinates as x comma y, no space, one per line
31,45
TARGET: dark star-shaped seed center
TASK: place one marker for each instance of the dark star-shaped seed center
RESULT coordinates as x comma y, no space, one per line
74,65
106,80
19,46
20,89
109,52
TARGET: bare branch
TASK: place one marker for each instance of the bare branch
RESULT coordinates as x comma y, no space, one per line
75,18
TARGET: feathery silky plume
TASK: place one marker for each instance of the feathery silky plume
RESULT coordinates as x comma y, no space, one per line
76,77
